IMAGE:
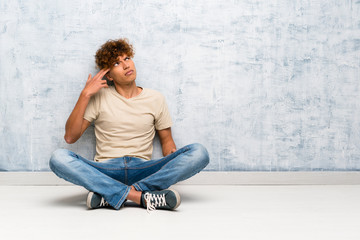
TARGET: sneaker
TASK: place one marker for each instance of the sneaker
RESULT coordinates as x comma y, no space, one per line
166,199
94,200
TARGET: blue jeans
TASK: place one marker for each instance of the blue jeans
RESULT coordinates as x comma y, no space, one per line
112,179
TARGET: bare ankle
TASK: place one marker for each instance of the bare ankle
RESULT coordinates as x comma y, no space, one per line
134,195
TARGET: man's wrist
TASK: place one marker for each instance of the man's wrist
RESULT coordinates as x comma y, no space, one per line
84,94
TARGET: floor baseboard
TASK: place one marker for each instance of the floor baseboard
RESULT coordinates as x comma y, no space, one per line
207,178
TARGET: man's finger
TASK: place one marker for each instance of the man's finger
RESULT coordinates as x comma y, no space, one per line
97,74
89,78
101,73
104,71
104,84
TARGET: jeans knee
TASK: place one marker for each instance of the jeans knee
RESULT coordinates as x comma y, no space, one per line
58,158
201,153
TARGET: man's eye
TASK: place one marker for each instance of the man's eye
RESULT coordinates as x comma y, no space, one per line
116,64
127,58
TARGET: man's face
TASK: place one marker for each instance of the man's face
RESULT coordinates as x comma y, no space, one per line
123,71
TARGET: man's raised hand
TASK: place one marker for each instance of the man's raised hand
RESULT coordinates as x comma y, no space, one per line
94,84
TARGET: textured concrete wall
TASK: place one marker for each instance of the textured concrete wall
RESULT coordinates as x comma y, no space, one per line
265,85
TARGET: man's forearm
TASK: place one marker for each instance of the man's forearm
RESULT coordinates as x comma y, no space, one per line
167,142
73,127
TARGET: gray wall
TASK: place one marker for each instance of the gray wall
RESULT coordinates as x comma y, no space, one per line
265,85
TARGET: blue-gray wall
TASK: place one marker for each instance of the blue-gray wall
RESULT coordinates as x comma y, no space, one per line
265,85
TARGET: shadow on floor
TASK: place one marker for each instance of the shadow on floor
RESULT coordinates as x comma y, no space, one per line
71,200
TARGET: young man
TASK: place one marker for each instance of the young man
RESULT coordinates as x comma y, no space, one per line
126,117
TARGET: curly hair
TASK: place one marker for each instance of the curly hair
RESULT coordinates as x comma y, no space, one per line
108,53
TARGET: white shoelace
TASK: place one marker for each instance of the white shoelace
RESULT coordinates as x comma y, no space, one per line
103,203
154,200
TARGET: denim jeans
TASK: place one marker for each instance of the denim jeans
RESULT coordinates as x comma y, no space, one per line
112,179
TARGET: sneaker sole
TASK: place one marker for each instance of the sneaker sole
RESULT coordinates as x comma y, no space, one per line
88,200
178,199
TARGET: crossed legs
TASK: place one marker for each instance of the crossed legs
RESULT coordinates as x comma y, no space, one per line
127,177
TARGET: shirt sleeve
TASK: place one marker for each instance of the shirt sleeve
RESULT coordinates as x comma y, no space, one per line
92,109
163,118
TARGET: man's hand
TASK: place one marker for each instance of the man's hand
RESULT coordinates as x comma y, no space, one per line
93,85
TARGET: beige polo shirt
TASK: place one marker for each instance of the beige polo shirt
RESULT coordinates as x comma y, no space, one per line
126,127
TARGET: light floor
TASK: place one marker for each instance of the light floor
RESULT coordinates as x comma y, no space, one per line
206,212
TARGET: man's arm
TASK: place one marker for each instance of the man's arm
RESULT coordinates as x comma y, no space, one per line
167,142
76,124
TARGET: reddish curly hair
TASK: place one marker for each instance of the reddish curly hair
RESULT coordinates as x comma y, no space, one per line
108,53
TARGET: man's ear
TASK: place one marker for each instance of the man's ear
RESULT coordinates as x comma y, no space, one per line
108,77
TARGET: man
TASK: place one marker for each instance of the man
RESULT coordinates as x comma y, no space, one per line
126,117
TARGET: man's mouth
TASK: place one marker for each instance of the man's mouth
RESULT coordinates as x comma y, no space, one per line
129,73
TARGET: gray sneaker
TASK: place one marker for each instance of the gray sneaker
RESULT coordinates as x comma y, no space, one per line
94,201
166,199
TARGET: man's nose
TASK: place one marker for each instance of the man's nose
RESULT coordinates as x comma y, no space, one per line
125,65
